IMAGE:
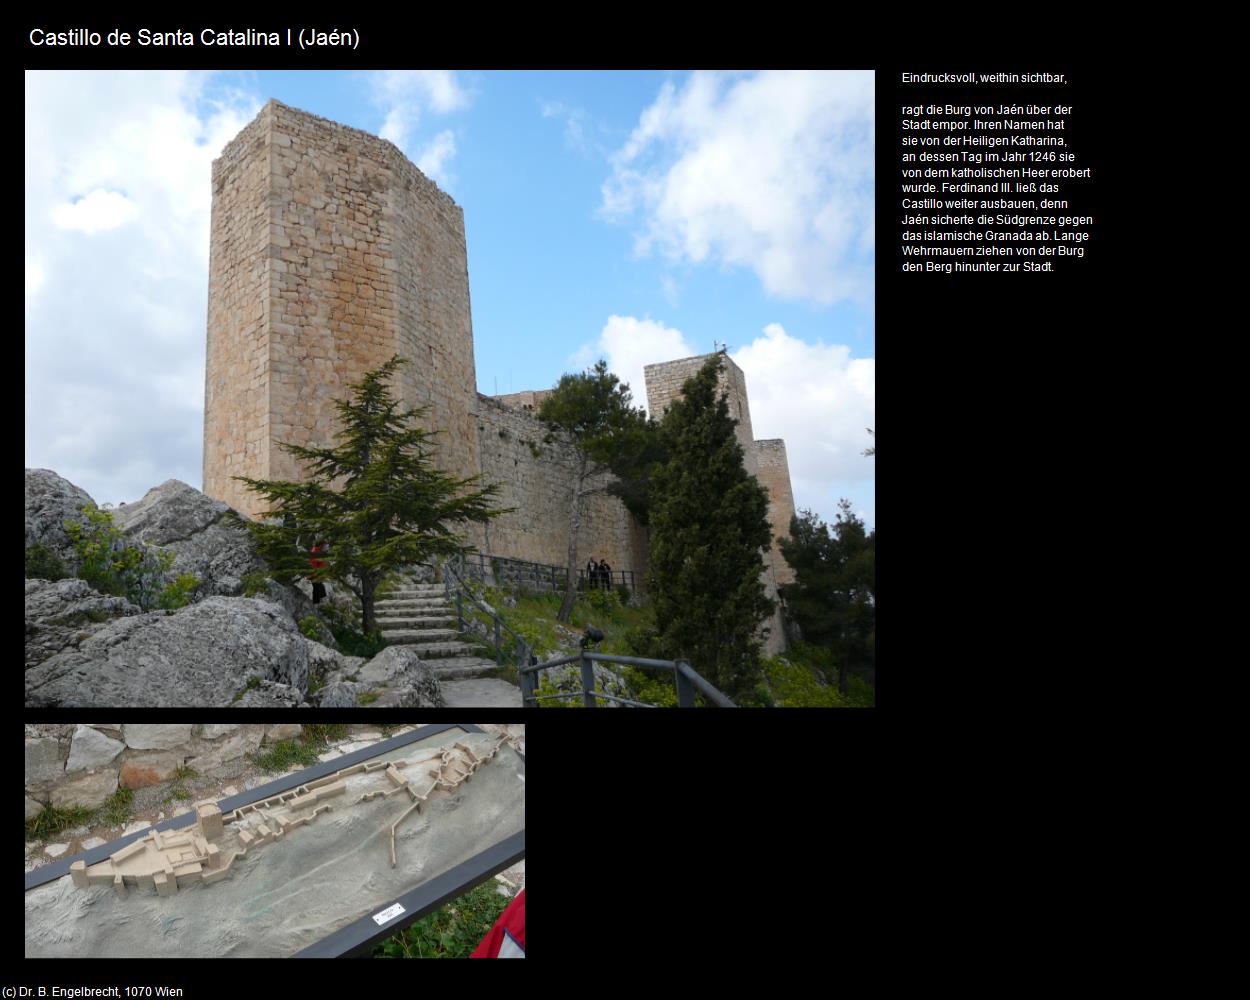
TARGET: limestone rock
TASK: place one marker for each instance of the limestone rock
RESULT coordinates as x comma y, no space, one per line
91,748
43,760
56,850
60,615
201,655
157,736
405,681
90,789
149,769
282,731
92,842
180,518
51,500
340,695
292,600
271,695
234,746
33,808
212,732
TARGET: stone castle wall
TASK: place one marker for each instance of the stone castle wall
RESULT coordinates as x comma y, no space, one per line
330,253
236,382
774,473
541,488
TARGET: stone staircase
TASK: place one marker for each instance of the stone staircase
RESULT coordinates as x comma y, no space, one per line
418,615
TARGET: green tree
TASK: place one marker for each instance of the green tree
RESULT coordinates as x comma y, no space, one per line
375,498
709,527
594,412
833,597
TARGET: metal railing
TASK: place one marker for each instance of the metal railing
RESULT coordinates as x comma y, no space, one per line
458,592
684,675
502,571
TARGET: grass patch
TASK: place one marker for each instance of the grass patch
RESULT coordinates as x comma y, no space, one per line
369,697
452,932
304,750
116,808
52,821
283,754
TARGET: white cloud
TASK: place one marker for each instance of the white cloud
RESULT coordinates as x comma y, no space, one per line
814,396
628,344
99,211
773,172
118,192
432,160
820,400
406,95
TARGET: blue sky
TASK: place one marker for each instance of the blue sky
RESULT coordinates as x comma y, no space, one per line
638,216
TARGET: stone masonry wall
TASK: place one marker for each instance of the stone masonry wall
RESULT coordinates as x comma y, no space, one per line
82,765
236,380
774,473
358,257
540,487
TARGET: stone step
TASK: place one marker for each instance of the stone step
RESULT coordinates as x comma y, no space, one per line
456,667
486,692
400,621
430,635
438,592
431,606
431,651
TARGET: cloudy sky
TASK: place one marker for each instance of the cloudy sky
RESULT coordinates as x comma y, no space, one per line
638,216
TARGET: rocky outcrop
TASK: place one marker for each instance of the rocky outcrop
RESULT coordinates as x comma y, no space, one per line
60,615
193,526
91,748
395,678
202,655
50,501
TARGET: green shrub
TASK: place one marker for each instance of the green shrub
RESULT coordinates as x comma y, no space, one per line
44,564
255,583
353,643
311,626
452,932
112,565
180,592
369,697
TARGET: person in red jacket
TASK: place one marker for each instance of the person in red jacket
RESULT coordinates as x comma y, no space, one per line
507,938
319,588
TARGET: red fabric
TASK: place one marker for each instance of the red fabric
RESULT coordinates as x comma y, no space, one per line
316,563
513,921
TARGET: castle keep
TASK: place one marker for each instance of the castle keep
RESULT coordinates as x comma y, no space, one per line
330,253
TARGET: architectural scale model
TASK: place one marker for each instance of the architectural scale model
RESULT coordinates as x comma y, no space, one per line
205,851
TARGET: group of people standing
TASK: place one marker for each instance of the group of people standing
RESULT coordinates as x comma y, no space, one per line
598,575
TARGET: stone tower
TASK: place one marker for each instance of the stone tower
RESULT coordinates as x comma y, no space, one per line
330,252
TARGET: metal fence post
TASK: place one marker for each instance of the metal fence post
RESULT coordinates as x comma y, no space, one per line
498,650
528,683
459,611
588,681
685,690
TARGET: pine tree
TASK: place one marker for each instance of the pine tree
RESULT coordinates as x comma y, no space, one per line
594,413
375,498
709,527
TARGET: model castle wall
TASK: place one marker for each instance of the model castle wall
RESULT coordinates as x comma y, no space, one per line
330,253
